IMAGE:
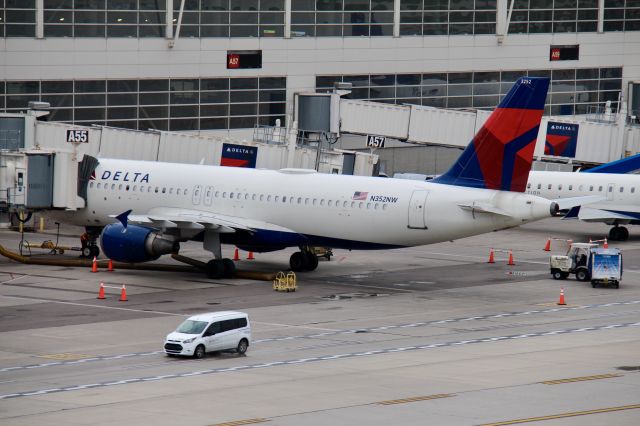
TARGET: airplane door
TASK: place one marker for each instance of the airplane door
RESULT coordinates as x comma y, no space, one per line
418,209
195,199
208,194
611,189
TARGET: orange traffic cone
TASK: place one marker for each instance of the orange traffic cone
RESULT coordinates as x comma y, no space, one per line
123,294
101,292
491,259
110,268
250,257
236,255
561,301
511,262
547,247
606,244
94,265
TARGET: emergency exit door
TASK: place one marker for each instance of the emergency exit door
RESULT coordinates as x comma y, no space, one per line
418,210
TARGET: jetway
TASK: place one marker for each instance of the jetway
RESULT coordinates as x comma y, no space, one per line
598,139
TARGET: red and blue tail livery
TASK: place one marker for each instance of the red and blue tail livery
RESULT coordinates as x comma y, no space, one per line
499,156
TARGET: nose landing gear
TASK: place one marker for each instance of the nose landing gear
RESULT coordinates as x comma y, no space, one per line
618,233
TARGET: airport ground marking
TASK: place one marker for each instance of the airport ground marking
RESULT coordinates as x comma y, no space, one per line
350,331
312,359
580,379
415,399
564,415
242,422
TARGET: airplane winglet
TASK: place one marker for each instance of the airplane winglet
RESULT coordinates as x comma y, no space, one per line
123,218
573,213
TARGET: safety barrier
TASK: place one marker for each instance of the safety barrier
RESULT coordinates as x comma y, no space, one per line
284,282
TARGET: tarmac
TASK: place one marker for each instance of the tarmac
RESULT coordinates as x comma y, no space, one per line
423,335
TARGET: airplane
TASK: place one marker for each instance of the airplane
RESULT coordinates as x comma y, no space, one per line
267,210
616,193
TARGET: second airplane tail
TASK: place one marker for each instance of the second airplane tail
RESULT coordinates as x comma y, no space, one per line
500,154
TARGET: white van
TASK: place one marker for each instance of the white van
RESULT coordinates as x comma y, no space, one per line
214,331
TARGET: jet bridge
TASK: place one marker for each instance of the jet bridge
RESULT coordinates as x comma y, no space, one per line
40,180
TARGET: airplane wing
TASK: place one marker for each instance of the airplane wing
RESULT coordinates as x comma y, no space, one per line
484,208
171,217
598,215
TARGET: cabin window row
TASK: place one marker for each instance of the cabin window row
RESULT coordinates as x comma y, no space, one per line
581,188
243,196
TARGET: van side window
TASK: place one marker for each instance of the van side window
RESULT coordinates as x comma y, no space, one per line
214,328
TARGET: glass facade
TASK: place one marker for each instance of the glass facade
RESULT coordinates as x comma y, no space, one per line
441,17
622,15
310,18
341,18
162,104
572,91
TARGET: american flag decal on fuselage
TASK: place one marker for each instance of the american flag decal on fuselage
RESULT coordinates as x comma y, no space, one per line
360,196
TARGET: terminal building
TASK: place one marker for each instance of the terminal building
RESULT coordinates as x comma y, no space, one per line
228,66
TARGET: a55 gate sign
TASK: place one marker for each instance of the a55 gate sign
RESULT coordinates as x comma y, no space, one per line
77,136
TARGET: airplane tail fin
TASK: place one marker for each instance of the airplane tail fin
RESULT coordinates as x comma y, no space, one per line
500,154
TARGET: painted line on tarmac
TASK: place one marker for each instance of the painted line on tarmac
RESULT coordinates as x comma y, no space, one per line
564,415
446,321
334,333
89,305
316,359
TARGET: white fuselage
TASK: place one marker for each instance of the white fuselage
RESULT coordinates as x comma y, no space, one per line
352,211
620,192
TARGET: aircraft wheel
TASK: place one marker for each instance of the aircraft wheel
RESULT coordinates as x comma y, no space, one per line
298,262
312,261
624,234
86,252
229,268
215,269
94,251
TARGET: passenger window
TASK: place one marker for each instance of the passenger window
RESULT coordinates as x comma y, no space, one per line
570,187
149,189
375,206
549,187
529,186
217,194
268,197
178,191
135,188
91,185
98,185
591,188
171,192
322,202
284,198
329,203
539,186
622,189
186,191
384,207
344,204
253,197
581,188
231,195
560,187
120,187
306,201
156,190
611,189
276,199
600,188
224,195
246,196
213,329
261,197
353,204
164,190
127,187
633,189
315,200
368,205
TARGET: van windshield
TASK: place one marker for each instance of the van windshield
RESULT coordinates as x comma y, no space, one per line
191,327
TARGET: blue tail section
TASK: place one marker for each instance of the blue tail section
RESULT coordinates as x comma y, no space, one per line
626,165
500,154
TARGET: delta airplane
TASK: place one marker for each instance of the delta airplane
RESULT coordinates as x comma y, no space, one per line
266,210
616,195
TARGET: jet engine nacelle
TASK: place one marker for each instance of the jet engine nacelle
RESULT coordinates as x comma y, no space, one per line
135,243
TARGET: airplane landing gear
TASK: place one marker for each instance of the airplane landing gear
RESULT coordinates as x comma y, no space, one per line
303,260
89,244
220,268
618,233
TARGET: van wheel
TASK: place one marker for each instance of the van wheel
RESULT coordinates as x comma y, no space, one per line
243,345
582,275
557,275
199,352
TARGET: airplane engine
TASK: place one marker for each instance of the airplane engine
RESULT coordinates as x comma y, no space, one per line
135,243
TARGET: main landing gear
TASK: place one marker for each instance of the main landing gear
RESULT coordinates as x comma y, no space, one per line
618,233
220,268
303,260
